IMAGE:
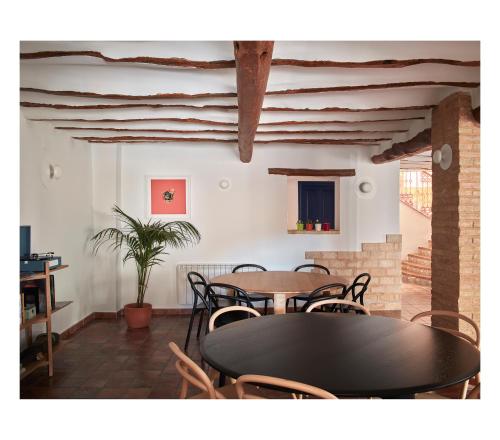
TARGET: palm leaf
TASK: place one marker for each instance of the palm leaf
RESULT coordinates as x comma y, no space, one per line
145,243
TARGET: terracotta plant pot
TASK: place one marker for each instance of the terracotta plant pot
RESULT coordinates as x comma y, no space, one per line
138,317
309,226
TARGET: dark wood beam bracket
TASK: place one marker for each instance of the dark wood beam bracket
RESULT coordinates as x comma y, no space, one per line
309,172
417,144
253,63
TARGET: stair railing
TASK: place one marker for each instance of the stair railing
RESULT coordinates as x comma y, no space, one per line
415,190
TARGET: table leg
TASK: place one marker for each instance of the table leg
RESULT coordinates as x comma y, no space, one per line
279,301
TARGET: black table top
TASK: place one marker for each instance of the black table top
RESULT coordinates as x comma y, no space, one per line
347,355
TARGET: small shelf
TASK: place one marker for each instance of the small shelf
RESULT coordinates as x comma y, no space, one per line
36,320
331,231
40,275
32,366
43,318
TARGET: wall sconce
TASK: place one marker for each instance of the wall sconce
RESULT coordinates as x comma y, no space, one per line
50,172
365,188
224,184
443,157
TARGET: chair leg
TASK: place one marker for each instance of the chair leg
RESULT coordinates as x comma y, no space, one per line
193,312
202,314
294,304
265,307
465,388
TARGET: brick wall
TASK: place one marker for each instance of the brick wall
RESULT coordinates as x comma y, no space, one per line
455,211
381,260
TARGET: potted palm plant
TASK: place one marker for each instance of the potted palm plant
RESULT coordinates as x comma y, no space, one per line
145,244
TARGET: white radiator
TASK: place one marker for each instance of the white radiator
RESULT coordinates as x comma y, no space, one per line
208,270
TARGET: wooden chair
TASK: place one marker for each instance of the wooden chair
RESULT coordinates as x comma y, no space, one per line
341,302
211,322
305,297
474,341
289,385
254,297
193,374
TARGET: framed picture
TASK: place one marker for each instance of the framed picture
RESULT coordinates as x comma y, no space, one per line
168,197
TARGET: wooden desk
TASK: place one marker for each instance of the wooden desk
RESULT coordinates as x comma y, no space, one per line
347,355
279,285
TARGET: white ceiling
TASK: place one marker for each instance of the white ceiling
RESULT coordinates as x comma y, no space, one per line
87,74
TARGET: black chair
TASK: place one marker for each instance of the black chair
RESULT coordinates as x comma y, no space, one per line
359,287
218,301
254,297
305,296
334,290
200,303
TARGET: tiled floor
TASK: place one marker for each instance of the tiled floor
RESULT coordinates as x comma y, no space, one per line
415,299
104,360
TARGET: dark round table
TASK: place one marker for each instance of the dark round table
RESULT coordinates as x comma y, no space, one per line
347,355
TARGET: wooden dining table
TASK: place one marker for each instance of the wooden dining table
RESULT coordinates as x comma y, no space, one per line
279,285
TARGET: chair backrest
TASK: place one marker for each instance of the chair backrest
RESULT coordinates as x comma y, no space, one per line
192,374
334,290
249,266
237,295
289,385
211,322
333,301
475,341
312,266
198,285
359,287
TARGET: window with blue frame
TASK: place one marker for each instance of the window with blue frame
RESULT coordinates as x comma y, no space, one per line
317,201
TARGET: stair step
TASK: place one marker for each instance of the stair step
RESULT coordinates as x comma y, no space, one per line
410,279
413,268
419,259
424,251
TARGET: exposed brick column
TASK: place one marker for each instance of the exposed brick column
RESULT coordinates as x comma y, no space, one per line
455,211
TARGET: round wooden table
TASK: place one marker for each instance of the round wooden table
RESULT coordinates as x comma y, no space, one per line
347,355
279,285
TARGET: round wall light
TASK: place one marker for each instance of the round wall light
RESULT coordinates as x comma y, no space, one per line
443,157
365,188
50,172
224,184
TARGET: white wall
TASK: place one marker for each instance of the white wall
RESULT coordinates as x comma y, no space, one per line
60,214
415,228
248,222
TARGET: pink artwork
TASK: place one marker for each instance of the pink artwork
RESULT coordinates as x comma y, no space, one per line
168,197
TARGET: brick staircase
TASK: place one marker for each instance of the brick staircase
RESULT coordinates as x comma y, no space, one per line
416,269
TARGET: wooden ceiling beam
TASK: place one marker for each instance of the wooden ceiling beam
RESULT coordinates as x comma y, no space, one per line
273,132
210,122
181,120
253,63
74,93
361,142
362,121
262,69
417,144
310,172
225,64
219,107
